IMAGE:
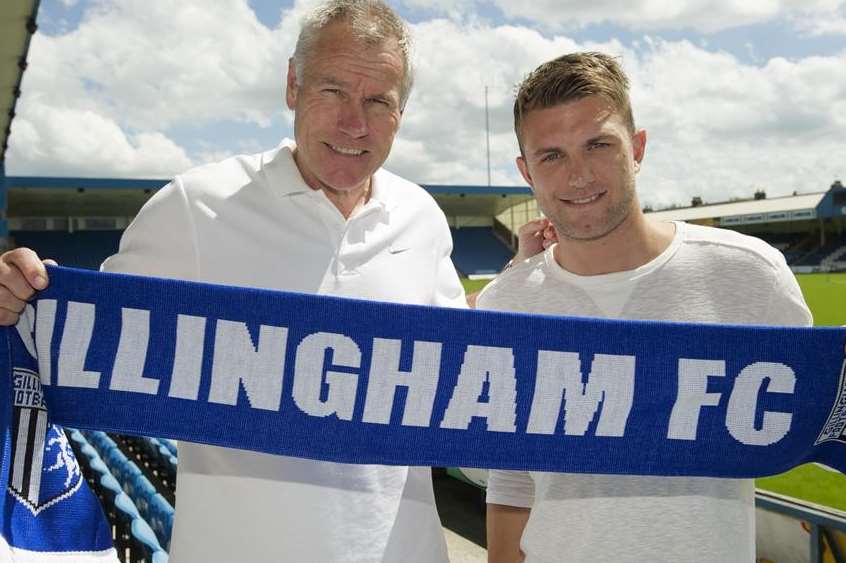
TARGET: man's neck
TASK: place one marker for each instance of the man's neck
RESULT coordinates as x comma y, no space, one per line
348,201
635,242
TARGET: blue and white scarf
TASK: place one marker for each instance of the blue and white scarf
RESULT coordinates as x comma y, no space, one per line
364,382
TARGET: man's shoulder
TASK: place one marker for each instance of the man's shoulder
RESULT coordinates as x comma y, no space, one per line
228,175
732,246
513,283
399,190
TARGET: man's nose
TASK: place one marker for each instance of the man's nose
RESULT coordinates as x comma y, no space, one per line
352,119
580,174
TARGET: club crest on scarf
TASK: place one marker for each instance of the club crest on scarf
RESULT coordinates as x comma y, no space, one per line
44,469
47,507
835,426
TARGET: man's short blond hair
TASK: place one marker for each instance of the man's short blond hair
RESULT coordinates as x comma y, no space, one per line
570,78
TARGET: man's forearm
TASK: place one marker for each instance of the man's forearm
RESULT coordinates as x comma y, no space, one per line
505,526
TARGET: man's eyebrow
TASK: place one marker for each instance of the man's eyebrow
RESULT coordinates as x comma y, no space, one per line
330,81
545,150
599,138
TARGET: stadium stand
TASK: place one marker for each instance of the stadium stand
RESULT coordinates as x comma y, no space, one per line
478,251
835,261
153,508
828,253
82,249
810,228
790,244
134,539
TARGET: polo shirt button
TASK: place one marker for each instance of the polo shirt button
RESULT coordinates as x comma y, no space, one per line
348,273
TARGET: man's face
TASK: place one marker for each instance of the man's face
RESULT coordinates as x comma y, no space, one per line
347,109
581,161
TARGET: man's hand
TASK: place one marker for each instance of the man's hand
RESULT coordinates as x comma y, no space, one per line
22,273
534,237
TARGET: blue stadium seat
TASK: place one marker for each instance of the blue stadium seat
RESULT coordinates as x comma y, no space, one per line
142,493
130,530
81,249
117,463
108,482
161,460
477,251
101,442
145,535
170,445
161,519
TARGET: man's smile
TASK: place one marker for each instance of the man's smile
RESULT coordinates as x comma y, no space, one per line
347,151
585,200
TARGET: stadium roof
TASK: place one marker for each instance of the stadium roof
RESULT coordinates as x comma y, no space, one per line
44,195
477,201
747,211
17,24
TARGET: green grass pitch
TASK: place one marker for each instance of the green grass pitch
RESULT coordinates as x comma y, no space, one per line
826,297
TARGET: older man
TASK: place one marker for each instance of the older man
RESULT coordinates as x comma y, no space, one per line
316,215
580,152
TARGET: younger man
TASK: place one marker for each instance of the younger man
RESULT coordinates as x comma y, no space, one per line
580,152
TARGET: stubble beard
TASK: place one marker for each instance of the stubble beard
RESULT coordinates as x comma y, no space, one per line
615,217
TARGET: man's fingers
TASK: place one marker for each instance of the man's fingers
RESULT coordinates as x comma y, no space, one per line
10,307
22,272
533,227
8,318
9,302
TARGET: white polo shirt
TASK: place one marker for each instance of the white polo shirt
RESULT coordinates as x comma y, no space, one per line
252,221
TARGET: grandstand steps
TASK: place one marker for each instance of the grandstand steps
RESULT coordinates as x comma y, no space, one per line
153,464
504,234
835,256
134,539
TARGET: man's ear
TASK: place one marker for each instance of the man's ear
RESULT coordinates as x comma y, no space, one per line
291,85
639,148
524,171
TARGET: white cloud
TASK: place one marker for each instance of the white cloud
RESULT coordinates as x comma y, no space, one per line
146,67
830,24
718,127
58,141
105,98
447,109
157,64
644,15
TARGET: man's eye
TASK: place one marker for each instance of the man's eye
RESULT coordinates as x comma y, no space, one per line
550,156
598,145
331,91
379,101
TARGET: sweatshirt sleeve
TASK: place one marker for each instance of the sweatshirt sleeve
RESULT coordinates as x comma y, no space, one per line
510,488
787,306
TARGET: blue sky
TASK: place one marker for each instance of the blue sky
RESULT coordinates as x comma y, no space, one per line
735,96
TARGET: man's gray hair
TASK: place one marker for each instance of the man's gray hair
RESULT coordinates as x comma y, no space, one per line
371,21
